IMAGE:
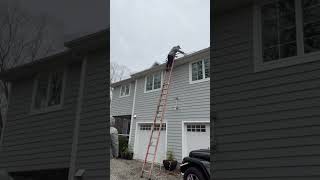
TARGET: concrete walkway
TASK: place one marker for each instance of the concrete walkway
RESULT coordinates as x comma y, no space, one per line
130,169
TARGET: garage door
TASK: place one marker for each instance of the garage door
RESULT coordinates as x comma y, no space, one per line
142,140
196,136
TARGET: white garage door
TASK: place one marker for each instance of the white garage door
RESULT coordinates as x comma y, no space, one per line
142,140
196,136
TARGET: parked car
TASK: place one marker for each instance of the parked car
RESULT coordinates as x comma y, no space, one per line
197,165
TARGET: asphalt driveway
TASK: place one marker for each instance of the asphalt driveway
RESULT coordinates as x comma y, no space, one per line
130,169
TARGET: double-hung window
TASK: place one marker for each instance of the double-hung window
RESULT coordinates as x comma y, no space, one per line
199,71
125,90
153,82
48,91
286,32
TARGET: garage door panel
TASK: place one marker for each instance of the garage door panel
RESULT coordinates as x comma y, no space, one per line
196,136
142,140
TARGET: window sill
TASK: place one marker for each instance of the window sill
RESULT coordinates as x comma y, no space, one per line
46,110
124,96
155,90
264,66
199,81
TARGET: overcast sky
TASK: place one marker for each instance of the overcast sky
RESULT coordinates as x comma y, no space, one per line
70,18
143,31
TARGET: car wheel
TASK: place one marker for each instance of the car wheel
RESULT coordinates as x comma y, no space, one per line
193,173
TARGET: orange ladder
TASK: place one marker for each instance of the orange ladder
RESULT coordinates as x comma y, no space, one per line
157,123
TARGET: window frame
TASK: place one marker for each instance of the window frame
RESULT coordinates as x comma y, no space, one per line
203,72
121,87
145,82
301,57
35,88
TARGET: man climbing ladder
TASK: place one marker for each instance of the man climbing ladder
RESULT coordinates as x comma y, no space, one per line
158,119
172,54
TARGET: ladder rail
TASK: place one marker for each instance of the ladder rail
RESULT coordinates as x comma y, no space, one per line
161,119
167,80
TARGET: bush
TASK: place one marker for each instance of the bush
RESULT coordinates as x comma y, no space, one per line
123,143
124,149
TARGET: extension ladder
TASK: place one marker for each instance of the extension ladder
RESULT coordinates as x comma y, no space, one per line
157,123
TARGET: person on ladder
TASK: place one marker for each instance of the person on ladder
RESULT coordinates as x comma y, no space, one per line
172,54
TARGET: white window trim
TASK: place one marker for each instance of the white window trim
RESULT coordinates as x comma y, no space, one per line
121,89
135,144
153,90
203,74
184,153
301,57
48,108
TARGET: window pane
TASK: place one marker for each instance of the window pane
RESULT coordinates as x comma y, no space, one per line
311,25
270,54
197,73
121,91
41,92
278,30
149,83
288,50
55,88
127,90
269,33
312,44
207,68
157,81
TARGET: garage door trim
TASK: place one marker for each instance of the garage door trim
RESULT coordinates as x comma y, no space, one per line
136,131
184,148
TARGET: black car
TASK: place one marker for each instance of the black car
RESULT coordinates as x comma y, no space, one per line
197,165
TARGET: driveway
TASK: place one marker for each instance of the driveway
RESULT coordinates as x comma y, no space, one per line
121,169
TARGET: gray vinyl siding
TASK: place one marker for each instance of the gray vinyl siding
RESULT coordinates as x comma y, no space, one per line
267,122
122,105
39,141
92,153
193,103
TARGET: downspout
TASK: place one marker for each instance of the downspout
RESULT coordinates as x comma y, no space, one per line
4,118
132,112
77,121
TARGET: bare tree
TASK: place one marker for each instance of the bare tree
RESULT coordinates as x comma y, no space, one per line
118,72
22,39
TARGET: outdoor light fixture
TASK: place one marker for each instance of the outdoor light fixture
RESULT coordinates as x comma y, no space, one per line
176,107
135,116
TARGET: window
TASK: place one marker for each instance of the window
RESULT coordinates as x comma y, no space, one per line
196,128
278,30
153,82
149,126
48,91
311,25
287,32
200,70
125,90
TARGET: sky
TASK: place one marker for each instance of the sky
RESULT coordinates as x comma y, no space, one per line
70,18
143,31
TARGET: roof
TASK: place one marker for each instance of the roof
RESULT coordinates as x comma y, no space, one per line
221,6
180,61
124,81
83,44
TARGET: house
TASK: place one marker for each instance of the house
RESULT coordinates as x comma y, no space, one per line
187,119
56,124
266,59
